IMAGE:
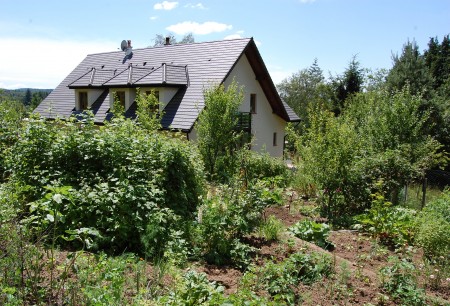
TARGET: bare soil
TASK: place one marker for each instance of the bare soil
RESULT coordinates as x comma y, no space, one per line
357,259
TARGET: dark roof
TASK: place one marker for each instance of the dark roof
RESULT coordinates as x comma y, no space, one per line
189,67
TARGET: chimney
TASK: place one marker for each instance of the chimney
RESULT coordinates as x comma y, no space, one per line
167,41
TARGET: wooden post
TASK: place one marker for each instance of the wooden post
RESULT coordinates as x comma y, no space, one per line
424,191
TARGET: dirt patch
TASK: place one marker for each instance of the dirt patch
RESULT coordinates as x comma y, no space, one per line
357,260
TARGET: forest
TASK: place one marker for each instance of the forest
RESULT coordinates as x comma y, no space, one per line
124,214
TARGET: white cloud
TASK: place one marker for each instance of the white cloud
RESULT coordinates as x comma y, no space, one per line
198,28
43,63
153,17
165,5
196,6
307,1
278,74
233,36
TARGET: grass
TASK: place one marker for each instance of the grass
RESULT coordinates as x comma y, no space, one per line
414,195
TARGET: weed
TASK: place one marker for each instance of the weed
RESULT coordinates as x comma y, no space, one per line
271,229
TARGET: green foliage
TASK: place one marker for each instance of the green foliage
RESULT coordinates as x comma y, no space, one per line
313,232
194,289
225,218
11,115
256,166
378,137
329,149
217,137
118,177
400,281
350,83
304,88
279,279
392,225
271,229
148,114
433,228
410,69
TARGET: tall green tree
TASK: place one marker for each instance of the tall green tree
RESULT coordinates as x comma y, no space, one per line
349,83
437,58
410,68
216,125
303,88
27,98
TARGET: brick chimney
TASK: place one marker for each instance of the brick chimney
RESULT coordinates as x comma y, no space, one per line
167,41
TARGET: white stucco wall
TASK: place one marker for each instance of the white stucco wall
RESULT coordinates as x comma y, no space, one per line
92,95
264,123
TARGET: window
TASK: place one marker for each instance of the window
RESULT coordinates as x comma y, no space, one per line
83,100
275,139
253,103
120,96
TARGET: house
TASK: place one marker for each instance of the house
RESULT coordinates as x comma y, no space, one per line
178,74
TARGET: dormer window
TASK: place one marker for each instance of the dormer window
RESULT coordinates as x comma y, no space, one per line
120,96
83,100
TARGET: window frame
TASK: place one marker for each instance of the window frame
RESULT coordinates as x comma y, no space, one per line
274,139
253,103
83,103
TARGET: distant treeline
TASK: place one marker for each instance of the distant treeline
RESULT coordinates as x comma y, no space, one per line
30,97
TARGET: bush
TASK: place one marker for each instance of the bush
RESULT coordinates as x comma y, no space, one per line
255,166
225,218
113,179
432,227
392,225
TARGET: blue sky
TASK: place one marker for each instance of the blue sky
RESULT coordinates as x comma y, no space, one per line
44,40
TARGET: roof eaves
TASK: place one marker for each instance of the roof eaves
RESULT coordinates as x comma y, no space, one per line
264,79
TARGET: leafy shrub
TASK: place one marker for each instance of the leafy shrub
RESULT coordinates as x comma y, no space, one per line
399,280
115,178
225,218
254,165
432,227
313,232
392,225
11,116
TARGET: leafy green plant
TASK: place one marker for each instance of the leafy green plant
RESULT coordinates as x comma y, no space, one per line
390,224
399,281
432,227
225,218
217,136
280,279
114,179
194,289
313,232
